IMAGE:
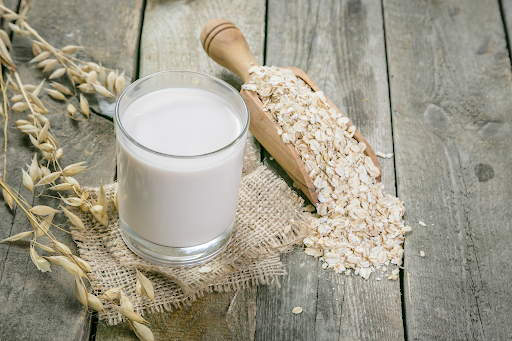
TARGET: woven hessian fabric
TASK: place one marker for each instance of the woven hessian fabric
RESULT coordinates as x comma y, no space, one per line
267,208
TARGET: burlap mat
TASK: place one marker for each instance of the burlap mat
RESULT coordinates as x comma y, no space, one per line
269,220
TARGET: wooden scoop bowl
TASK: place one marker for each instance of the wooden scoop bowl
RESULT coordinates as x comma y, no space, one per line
225,44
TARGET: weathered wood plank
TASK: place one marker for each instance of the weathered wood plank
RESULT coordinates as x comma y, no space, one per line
170,36
109,31
170,41
450,80
35,305
506,13
214,317
340,45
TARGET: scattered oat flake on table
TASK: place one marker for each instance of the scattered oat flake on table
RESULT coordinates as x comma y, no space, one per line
422,254
297,310
392,277
422,223
384,155
357,226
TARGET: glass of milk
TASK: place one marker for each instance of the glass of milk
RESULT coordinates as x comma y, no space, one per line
180,147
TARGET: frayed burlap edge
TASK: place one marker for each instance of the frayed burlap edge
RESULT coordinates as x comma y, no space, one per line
269,221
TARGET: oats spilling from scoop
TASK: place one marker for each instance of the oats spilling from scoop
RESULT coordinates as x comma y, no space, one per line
358,227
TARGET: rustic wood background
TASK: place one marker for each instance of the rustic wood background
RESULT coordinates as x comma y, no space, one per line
428,80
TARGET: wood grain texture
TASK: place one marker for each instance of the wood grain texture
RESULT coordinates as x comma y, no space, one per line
170,36
506,13
109,31
451,94
35,305
226,44
214,317
170,41
340,45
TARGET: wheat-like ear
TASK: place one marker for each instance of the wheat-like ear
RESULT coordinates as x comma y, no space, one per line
70,266
69,49
111,80
74,169
94,302
49,178
56,94
43,210
125,302
27,181
41,263
84,105
112,294
58,73
116,204
18,236
71,109
119,85
61,88
61,187
62,247
87,77
43,247
144,286
44,226
82,264
130,315
8,198
5,38
20,106
74,220
102,199
80,291
39,87
142,332
16,98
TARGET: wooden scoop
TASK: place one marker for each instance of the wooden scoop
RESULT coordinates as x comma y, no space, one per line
225,44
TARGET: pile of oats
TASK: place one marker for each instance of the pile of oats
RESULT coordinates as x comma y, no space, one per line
358,228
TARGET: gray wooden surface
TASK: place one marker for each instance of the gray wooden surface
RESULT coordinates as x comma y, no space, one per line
36,305
170,41
506,13
214,317
428,80
341,48
451,97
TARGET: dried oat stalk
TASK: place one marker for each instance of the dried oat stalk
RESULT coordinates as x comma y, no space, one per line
45,170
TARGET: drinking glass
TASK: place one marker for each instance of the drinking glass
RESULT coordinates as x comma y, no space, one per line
178,210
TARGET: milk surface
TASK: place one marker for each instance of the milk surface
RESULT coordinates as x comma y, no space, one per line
172,201
182,121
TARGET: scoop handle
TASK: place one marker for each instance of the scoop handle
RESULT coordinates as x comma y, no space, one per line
226,44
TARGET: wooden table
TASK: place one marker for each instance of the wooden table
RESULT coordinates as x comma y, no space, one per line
428,80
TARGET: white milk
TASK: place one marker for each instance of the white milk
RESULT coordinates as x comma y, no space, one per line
179,202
